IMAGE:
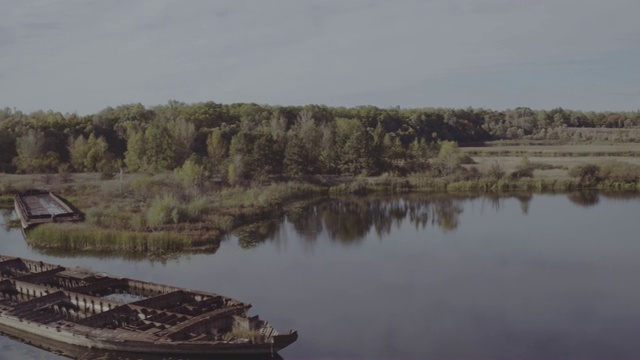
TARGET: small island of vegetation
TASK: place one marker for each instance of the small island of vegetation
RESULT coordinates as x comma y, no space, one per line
179,176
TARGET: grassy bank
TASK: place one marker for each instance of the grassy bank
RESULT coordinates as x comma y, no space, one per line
158,214
162,214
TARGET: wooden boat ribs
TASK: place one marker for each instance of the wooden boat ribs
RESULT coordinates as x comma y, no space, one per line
100,311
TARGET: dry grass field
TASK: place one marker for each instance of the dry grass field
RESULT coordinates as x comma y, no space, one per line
55,182
560,158
579,150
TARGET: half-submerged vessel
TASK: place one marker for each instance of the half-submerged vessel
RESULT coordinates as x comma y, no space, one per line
92,310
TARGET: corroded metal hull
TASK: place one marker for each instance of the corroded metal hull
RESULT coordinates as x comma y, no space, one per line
88,310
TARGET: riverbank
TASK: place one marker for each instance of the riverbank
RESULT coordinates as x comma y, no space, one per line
158,214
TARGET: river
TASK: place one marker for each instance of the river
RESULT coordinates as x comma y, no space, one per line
421,276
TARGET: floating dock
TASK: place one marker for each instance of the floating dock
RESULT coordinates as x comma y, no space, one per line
91,310
39,207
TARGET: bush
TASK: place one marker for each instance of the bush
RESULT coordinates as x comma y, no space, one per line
108,169
165,210
615,172
620,172
196,209
587,173
522,173
495,172
64,172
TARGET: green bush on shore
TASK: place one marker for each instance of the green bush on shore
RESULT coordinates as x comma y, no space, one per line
610,175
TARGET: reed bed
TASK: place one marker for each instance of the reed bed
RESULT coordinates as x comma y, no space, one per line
83,237
6,201
158,215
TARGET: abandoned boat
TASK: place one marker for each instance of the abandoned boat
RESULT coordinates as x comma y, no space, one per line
39,207
82,308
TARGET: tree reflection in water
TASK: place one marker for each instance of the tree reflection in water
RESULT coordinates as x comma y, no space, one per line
584,198
348,220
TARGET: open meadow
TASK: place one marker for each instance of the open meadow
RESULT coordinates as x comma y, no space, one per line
552,161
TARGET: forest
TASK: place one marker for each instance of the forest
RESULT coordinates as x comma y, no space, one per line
239,143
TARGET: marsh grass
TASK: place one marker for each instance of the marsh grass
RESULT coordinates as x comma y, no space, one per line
84,237
270,195
13,224
6,201
159,214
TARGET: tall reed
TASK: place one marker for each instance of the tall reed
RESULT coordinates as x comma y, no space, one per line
81,237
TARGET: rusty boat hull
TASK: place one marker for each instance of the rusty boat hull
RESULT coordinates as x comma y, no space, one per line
87,310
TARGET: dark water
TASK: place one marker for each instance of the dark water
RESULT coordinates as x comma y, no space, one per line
542,276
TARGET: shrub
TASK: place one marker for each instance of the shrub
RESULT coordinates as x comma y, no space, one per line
196,209
64,172
620,172
587,173
522,173
495,171
164,210
108,169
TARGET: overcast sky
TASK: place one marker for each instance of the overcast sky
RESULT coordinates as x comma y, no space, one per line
82,56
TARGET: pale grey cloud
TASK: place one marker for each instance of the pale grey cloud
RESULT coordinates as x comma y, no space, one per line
84,56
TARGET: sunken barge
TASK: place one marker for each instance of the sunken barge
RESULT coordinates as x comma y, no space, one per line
39,207
81,308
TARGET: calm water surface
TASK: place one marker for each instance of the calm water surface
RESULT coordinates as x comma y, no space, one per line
543,276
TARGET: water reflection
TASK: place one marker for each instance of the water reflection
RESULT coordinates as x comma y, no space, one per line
424,276
8,220
584,198
348,220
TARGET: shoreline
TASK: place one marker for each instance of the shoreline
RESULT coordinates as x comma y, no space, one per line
263,203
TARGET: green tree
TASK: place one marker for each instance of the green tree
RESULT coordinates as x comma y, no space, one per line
89,155
296,157
150,150
7,150
449,157
217,149
160,150
358,153
304,147
182,134
135,154
192,175
33,156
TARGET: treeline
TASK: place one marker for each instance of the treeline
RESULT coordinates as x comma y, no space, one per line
241,142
